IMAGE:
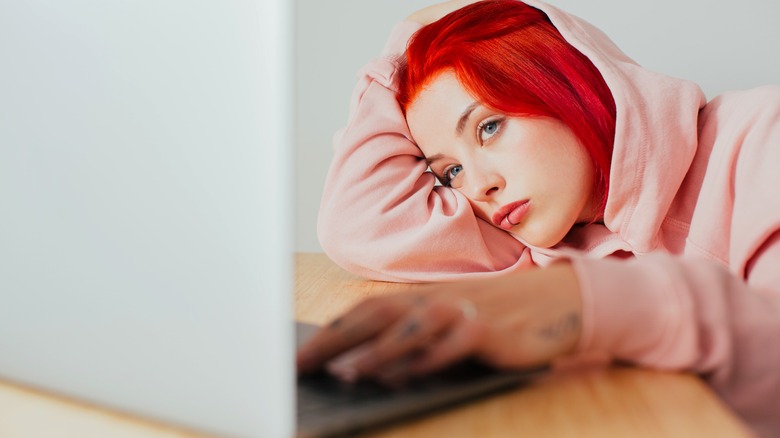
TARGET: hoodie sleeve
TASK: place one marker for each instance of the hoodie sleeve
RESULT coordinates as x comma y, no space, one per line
716,318
678,313
382,216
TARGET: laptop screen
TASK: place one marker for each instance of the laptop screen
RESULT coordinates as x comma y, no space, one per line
145,178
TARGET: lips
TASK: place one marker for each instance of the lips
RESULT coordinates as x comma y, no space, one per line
511,214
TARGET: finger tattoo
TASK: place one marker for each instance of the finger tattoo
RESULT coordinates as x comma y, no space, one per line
409,329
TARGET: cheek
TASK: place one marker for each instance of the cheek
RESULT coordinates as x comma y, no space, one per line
582,172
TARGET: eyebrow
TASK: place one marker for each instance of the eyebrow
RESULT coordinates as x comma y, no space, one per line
464,117
433,159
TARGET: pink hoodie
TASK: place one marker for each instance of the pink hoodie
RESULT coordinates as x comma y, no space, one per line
692,197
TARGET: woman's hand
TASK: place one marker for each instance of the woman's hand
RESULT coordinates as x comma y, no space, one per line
516,321
432,13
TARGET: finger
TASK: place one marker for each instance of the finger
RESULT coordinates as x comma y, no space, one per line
341,367
462,341
409,335
396,374
360,324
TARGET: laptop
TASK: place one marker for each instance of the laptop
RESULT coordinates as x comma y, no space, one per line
146,226
145,189
328,407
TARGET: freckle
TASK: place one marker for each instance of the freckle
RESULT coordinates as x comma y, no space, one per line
336,323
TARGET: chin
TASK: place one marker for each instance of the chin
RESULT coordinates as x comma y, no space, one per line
536,239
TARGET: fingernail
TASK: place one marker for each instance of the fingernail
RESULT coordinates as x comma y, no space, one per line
343,372
352,364
343,368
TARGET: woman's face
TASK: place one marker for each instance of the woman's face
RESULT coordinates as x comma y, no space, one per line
527,175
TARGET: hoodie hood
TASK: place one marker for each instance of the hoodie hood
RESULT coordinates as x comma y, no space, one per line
655,134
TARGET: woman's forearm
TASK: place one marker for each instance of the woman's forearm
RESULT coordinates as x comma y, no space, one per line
382,216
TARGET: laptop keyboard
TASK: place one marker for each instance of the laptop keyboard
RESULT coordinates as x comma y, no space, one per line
327,406
321,391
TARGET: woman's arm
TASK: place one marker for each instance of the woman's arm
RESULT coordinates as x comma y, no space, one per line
717,318
689,314
381,215
659,311
524,319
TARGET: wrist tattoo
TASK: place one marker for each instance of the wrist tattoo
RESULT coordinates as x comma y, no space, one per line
564,326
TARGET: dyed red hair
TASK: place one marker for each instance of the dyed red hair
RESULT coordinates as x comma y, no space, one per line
511,58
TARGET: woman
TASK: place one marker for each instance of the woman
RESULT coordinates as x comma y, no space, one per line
587,206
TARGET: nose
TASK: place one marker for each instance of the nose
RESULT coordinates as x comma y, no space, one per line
484,184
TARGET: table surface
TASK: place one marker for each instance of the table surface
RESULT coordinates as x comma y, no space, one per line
598,402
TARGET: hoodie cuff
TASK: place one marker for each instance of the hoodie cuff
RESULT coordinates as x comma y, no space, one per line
627,308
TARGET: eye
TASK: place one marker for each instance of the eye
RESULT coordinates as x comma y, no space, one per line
449,174
487,129
453,171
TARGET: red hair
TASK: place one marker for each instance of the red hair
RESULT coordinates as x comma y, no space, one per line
511,58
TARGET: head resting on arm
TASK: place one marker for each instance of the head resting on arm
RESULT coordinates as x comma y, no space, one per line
511,58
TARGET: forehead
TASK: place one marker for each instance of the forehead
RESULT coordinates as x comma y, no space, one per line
436,109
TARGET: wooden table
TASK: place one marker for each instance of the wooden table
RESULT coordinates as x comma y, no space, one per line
612,402
598,402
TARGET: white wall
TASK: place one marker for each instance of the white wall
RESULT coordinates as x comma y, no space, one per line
334,39
720,44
